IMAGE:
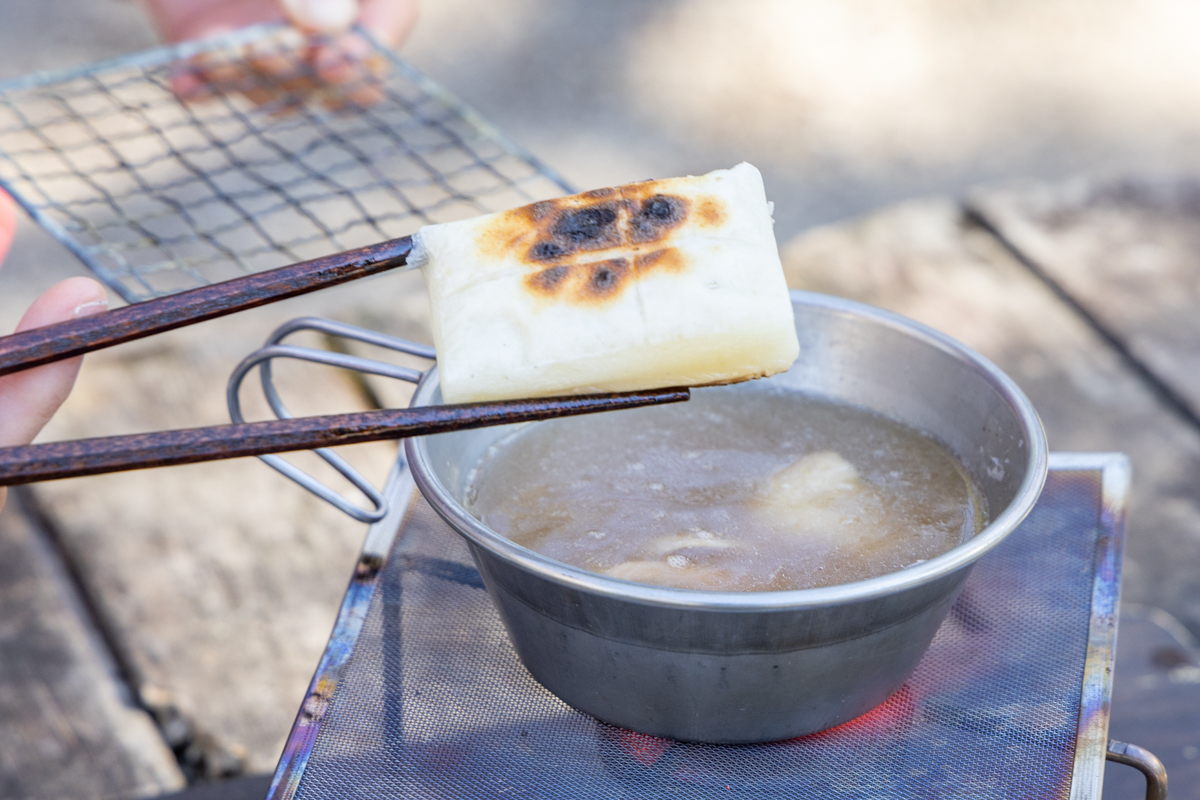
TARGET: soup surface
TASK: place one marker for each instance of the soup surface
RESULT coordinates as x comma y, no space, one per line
750,490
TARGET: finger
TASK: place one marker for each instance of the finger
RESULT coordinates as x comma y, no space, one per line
8,229
182,20
229,71
389,20
330,17
28,399
352,70
8,224
188,84
279,63
279,58
224,70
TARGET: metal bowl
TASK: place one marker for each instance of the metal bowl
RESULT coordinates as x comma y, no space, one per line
761,666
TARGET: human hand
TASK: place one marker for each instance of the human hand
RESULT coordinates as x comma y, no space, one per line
180,20
323,55
28,399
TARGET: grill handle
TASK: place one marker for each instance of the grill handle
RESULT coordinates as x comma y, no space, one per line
1145,762
274,348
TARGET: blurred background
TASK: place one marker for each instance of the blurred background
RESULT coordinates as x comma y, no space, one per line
846,106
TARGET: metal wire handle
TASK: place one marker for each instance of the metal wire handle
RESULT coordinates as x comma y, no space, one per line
274,348
1145,762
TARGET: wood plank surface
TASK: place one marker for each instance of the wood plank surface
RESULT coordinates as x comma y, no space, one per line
1128,251
925,260
219,581
68,726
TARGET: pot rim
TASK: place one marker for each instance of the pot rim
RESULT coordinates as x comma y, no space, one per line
960,557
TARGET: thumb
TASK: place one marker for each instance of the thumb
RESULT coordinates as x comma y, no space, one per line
390,20
28,399
330,17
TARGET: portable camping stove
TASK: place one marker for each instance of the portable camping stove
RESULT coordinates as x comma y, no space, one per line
420,694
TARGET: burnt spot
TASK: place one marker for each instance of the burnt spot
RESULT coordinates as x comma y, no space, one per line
606,278
573,229
548,281
548,250
661,208
667,258
586,226
507,233
655,217
367,568
554,232
539,211
710,212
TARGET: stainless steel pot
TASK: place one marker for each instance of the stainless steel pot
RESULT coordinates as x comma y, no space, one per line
761,666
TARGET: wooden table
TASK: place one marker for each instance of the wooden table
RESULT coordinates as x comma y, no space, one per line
185,609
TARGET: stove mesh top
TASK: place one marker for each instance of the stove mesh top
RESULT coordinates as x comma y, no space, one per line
433,702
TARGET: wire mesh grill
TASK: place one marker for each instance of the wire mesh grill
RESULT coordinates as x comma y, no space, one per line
268,162
434,702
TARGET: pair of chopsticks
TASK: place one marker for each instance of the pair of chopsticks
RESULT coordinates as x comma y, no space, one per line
56,460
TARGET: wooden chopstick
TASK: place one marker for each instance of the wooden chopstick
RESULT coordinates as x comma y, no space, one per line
55,460
76,337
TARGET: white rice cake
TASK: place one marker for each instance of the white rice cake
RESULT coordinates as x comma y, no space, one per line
662,283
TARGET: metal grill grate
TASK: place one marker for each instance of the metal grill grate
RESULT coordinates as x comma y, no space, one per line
1010,701
269,167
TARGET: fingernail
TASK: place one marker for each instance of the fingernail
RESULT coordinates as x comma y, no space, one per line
89,308
325,16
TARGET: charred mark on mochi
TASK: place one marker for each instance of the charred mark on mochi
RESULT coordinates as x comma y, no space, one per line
661,208
574,229
668,258
548,281
588,226
553,232
539,211
607,278
582,283
656,217
710,212
548,251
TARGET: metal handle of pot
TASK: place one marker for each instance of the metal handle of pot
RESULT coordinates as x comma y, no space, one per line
274,348
1145,762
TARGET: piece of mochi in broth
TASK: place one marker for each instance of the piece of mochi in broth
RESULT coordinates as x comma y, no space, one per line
662,283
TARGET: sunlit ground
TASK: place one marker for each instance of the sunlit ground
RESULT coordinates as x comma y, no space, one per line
845,105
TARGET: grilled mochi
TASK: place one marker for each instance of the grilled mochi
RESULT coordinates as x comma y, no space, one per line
661,283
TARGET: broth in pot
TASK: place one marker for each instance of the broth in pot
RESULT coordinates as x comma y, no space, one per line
748,490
